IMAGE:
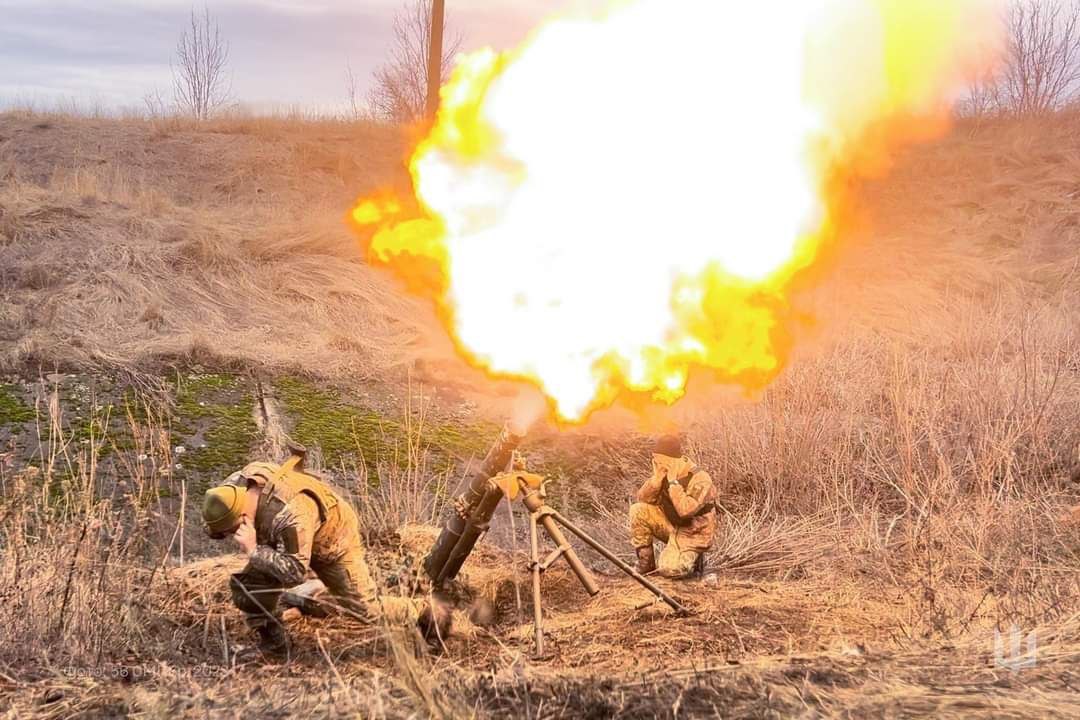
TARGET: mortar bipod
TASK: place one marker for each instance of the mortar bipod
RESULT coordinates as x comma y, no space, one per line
531,487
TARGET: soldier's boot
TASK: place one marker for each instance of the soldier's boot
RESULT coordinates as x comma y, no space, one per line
435,622
273,642
699,566
646,560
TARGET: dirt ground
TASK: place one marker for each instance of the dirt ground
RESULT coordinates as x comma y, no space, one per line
750,648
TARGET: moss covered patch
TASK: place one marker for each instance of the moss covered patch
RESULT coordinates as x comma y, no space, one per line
12,408
464,440
349,432
342,431
214,413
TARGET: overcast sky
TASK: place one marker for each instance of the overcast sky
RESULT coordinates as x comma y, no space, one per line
110,53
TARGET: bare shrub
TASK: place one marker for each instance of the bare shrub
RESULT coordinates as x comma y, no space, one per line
156,107
982,94
403,489
200,81
1044,55
400,90
354,104
1040,70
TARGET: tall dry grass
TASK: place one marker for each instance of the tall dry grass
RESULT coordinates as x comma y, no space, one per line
98,594
404,487
938,463
79,544
105,265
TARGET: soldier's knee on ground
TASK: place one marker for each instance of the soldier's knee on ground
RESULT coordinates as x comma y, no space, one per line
251,596
675,573
675,563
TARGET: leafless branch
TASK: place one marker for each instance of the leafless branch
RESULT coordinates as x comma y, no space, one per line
200,83
399,93
1044,55
156,106
1041,69
352,93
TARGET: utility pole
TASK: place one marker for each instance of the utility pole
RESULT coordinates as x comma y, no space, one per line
435,51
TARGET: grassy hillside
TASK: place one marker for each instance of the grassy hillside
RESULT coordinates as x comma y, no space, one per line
892,500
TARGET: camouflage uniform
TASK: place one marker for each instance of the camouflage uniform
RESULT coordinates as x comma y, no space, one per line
302,523
677,506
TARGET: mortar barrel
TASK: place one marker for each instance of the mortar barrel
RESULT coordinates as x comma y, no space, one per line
467,518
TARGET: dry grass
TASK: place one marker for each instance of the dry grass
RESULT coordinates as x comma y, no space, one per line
85,540
403,488
892,500
109,261
784,628
79,546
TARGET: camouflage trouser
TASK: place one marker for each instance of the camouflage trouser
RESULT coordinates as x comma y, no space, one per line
648,523
350,586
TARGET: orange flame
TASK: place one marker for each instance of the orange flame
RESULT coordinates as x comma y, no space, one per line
627,197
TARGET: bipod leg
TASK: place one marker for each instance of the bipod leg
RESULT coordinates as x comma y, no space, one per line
553,517
536,567
534,501
564,548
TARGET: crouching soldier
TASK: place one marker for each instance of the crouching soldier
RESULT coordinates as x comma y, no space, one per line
677,506
287,521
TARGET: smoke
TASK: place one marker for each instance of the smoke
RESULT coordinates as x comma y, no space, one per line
529,407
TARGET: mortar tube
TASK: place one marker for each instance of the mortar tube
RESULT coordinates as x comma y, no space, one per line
475,527
468,517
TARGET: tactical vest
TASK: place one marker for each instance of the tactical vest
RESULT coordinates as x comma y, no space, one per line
668,507
283,483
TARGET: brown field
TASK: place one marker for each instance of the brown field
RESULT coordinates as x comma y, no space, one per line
893,499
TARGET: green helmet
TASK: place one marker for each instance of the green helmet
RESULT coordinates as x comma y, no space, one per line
222,508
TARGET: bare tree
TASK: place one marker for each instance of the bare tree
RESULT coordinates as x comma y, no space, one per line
399,93
200,83
1040,71
1043,55
156,107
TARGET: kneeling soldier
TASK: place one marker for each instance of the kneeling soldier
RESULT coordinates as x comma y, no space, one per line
677,506
287,521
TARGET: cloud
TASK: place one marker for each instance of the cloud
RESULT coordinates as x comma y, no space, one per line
283,52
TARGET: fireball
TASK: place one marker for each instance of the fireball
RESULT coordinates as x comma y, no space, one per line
626,199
